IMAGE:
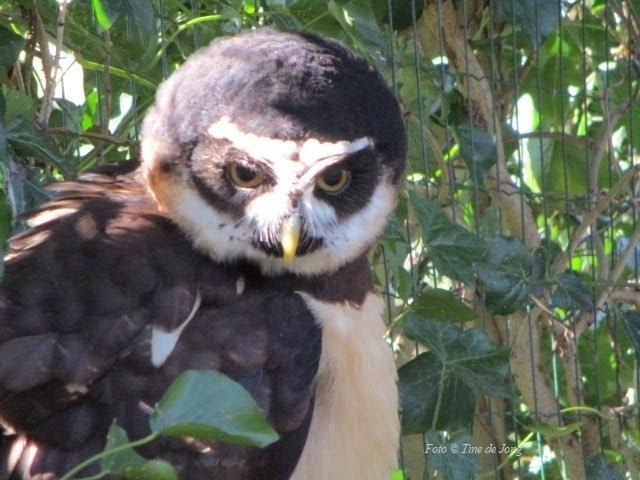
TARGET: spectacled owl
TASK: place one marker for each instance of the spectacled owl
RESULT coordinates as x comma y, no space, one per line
269,165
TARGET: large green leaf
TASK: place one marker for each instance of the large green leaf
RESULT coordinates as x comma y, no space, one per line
454,250
442,305
508,274
451,456
419,384
127,463
474,359
210,406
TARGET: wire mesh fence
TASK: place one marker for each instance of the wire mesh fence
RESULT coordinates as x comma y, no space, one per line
511,265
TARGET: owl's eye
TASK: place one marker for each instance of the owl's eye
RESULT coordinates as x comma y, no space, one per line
245,177
335,181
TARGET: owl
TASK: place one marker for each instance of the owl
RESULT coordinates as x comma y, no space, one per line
269,165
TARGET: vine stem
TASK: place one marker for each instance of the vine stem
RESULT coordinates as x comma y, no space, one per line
436,412
143,441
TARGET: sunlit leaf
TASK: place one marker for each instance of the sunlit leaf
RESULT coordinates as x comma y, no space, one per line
104,12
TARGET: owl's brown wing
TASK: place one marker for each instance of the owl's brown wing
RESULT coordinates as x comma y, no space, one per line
81,296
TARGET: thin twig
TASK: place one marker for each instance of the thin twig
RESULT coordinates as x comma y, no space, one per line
50,88
17,72
93,136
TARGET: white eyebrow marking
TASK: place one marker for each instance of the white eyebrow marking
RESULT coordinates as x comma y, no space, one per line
277,151
313,150
163,342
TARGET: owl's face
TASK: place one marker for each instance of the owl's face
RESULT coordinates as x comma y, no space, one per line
261,178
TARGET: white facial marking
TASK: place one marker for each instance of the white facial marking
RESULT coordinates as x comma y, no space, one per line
313,150
163,342
343,241
275,151
296,165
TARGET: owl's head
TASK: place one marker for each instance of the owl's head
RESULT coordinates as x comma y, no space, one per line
286,150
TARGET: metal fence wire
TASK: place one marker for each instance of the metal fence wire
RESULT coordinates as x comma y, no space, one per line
511,265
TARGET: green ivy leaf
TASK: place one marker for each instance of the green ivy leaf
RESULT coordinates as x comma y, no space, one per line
419,383
129,464
571,292
11,44
477,149
451,457
442,305
454,250
210,406
508,274
481,364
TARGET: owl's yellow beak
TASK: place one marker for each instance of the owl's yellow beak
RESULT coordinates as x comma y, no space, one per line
289,238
